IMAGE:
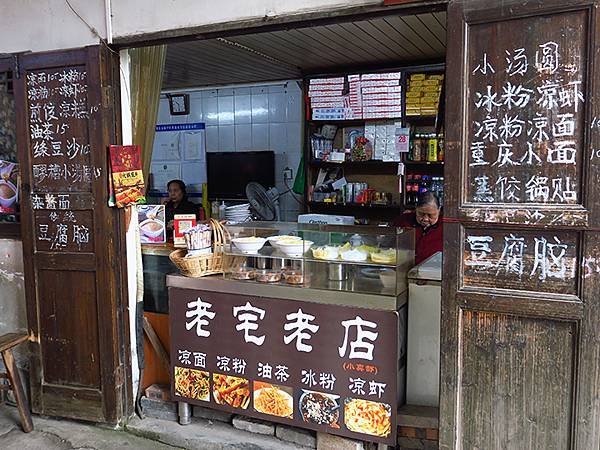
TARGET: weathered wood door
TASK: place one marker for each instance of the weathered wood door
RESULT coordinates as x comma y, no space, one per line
520,364
72,241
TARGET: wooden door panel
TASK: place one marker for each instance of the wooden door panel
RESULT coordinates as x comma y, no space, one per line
69,342
520,341
504,399
73,243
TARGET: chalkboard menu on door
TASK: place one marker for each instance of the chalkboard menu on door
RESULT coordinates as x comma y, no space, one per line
524,121
61,169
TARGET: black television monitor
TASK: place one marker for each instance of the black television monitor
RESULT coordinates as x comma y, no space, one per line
228,173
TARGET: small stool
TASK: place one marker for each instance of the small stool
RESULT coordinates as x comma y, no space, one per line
7,343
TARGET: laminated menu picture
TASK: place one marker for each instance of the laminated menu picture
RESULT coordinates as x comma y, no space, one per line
127,177
9,187
151,220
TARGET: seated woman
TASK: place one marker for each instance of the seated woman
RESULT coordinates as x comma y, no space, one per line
178,202
428,226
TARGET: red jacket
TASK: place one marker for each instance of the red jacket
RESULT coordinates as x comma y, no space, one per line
427,241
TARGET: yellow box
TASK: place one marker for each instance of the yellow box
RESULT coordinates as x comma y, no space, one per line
414,94
417,77
416,83
431,89
434,95
428,101
431,83
413,101
436,77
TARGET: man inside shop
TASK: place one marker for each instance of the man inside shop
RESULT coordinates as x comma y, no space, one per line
428,226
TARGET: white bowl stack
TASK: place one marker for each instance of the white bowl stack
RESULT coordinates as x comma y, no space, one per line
238,213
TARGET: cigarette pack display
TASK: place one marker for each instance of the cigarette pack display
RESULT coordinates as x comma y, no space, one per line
382,102
380,83
382,76
333,80
376,115
372,90
325,93
417,77
382,109
326,87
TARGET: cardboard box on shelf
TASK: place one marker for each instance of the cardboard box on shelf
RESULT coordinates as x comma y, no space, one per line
417,77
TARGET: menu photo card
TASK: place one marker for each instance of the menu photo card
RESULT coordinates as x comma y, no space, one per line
181,223
151,220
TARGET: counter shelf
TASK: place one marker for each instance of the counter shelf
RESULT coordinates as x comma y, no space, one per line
358,277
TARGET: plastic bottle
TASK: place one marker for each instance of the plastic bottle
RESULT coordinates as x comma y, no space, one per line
222,208
432,148
441,143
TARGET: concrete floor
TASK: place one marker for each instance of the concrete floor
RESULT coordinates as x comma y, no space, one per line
156,434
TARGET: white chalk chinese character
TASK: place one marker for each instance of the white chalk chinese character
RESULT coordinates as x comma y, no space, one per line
184,357
530,155
53,216
56,148
223,363
536,189
484,66
81,235
239,365
564,194
197,311
43,232
537,128
508,189
359,349
376,388
483,192
40,149
327,381
300,322
564,152
504,156
69,216
487,100
309,378
549,259
515,95
548,94
480,250
50,201
571,95
37,202
356,386
487,129
248,316
40,172
547,58
565,126
517,62
64,201
512,255
265,370
511,127
477,154
281,373
200,359
61,238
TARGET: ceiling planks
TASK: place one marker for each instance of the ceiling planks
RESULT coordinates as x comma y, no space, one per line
287,54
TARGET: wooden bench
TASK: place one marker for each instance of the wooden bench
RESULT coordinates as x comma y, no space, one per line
7,343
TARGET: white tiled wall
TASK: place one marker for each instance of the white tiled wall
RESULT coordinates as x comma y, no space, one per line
251,117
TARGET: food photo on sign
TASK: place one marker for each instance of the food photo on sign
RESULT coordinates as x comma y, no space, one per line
127,177
9,189
151,220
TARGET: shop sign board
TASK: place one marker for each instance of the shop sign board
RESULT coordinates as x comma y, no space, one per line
525,122
60,152
323,367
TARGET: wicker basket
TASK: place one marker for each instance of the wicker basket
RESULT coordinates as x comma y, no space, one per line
203,265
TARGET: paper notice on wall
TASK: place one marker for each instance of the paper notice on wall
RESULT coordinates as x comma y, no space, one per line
162,174
166,146
193,143
194,174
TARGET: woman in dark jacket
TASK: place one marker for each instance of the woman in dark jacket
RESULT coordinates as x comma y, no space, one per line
178,202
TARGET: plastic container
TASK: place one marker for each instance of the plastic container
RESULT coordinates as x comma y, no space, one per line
268,276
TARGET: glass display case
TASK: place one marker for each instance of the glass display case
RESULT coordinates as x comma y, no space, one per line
372,261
